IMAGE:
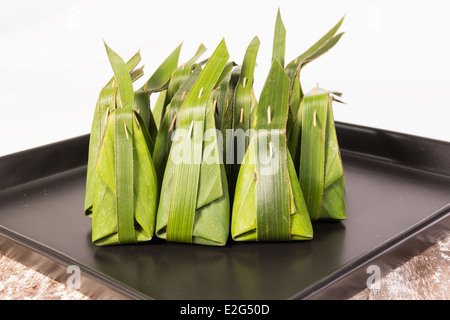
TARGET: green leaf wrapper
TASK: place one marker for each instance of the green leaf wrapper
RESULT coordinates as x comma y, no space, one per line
125,188
105,104
243,106
321,172
268,203
293,70
194,204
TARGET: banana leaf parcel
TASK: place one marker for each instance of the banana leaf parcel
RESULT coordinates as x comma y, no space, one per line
268,203
125,194
321,173
194,204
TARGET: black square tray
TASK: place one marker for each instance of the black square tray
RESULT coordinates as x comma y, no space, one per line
398,196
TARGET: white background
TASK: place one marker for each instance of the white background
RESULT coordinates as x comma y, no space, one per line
392,64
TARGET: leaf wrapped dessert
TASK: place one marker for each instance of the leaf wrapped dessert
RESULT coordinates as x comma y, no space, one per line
313,144
268,203
107,101
172,170
293,70
321,172
194,204
125,194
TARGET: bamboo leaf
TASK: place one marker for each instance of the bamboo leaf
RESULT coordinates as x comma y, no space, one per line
136,74
161,150
123,148
243,104
279,40
227,125
243,101
160,78
119,195
212,217
141,104
220,101
224,76
321,173
168,123
244,215
294,135
268,204
243,218
181,73
124,162
181,95
178,204
211,221
106,103
122,75
158,108
301,227
210,181
317,49
295,98
293,70
312,156
325,48
273,109
180,84
272,187
158,81
105,229
333,200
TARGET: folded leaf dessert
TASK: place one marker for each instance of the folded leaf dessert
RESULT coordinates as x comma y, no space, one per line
268,203
321,172
210,163
194,205
125,185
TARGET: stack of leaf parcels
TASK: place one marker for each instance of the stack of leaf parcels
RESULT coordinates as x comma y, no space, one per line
209,159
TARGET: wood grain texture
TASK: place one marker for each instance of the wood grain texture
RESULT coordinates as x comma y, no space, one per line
424,277
18,282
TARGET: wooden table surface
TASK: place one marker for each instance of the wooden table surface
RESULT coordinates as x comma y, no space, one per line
424,277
